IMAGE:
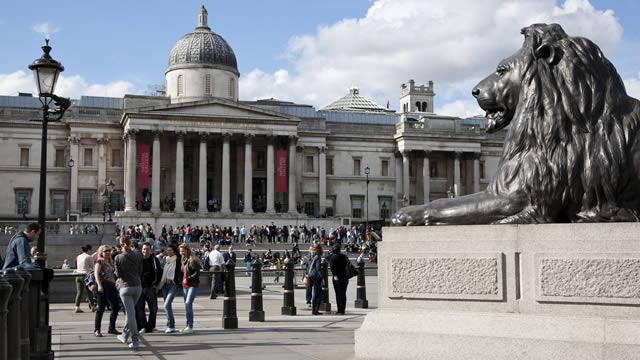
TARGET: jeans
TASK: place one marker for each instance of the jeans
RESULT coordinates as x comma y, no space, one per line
189,295
149,296
316,294
169,291
109,294
340,287
80,288
130,296
308,293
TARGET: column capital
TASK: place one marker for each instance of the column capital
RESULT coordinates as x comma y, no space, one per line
226,136
476,155
299,148
204,136
426,153
293,139
271,139
131,134
457,154
180,135
322,149
248,138
74,140
405,153
156,134
103,140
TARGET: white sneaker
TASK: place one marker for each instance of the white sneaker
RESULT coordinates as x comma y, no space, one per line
122,338
170,331
187,330
142,332
134,346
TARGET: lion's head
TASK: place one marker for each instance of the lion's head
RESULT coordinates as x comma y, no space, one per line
561,77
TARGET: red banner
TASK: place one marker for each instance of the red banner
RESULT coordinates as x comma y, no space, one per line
143,153
281,170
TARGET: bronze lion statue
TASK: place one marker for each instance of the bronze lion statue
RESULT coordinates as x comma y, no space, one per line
572,150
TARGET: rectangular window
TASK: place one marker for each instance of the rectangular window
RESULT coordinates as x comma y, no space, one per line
260,162
88,157
356,206
329,166
309,208
385,207
436,169
356,167
59,158
482,173
308,164
23,201
58,202
330,206
24,157
116,158
86,198
384,168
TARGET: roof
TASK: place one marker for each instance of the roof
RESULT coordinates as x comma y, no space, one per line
355,102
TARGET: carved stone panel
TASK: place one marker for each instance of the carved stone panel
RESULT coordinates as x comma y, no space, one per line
447,276
585,278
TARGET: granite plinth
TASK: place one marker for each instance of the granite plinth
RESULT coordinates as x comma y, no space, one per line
506,292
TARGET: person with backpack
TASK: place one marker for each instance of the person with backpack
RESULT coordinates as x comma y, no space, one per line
128,266
18,250
84,265
314,273
341,271
150,278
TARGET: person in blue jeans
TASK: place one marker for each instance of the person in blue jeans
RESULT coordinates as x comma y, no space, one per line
104,273
169,282
190,283
128,266
314,272
150,278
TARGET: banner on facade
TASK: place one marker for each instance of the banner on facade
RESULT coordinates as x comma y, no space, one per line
281,170
143,152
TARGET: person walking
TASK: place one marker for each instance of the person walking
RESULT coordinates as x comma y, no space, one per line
339,263
150,278
190,283
105,278
84,265
128,266
169,282
314,272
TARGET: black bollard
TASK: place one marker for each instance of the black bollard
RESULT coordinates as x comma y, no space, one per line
5,295
288,305
13,317
361,290
25,309
257,312
229,310
325,305
39,328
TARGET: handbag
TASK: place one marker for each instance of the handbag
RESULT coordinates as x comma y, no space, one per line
351,270
306,281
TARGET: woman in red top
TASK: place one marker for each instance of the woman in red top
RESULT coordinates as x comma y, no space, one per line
190,283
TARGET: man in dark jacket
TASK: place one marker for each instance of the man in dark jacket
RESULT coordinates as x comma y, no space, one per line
18,250
151,275
338,263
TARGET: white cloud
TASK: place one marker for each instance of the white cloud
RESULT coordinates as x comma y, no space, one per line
460,108
633,86
45,28
453,42
72,86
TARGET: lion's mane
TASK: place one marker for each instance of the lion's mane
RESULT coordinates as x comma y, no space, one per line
569,141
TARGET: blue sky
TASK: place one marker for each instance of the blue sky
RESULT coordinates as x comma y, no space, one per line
305,51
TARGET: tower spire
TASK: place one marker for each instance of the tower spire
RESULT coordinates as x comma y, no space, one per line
202,19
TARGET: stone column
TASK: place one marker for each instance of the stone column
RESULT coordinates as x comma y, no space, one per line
426,177
102,164
226,174
398,174
476,172
456,173
202,174
179,208
406,185
155,174
130,190
73,186
292,174
322,179
248,174
270,175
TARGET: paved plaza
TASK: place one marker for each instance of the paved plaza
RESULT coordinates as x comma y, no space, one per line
280,337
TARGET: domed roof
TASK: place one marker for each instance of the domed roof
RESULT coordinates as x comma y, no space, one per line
353,101
202,47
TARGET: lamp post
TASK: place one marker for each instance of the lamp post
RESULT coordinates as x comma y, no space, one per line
45,72
367,170
70,164
107,198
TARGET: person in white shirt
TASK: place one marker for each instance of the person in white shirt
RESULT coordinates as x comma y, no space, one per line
216,260
84,265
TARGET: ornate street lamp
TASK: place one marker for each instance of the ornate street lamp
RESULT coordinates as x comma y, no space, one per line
45,72
367,170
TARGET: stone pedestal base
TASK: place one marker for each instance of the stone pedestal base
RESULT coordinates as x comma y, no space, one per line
559,291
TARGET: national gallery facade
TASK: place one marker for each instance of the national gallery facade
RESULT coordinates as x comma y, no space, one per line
197,154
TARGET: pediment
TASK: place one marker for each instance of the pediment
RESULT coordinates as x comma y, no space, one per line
218,109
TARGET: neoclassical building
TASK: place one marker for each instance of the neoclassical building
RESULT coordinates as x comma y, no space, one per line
197,154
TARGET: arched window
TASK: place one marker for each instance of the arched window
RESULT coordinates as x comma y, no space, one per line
417,105
207,84
180,85
424,106
232,87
